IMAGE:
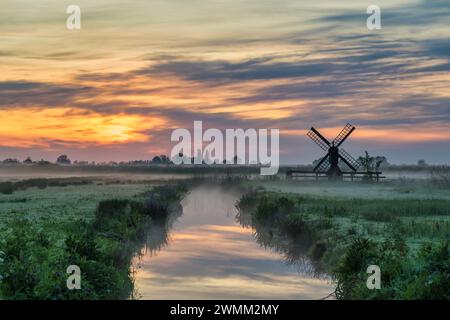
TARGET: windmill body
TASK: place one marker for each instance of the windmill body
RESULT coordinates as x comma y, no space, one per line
329,164
333,159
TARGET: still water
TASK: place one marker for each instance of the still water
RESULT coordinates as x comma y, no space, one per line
205,253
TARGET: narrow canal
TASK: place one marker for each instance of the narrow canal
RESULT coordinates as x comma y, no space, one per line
208,254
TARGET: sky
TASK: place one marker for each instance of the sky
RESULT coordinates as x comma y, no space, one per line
138,69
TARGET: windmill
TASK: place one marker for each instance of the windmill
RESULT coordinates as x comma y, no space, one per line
334,152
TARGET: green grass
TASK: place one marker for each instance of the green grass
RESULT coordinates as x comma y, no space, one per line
416,220
395,189
58,206
416,231
424,274
9,187
35,251
99,226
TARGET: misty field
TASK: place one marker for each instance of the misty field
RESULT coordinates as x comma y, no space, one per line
101,222
401,226
98,224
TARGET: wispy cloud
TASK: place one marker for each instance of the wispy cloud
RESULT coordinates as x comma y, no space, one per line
138,69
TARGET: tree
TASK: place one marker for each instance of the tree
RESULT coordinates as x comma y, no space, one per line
43,162
371,164
63,160
421,163
11,161
383,161
28,161
165,159
156,160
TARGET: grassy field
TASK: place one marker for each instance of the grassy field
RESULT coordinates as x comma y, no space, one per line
354,225
63,204
99,222
97,225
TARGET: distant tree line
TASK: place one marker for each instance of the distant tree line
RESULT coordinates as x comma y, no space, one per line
368,162
64,160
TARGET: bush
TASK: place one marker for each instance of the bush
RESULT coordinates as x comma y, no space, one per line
156,204
30,183
40,183
248,201
32,268
425,275
431,272
111,208
6,187
274,208
33,265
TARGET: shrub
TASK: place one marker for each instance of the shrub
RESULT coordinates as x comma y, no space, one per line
25,184
157,202
33,265
113,208
274,208
248,201
6,187
425,275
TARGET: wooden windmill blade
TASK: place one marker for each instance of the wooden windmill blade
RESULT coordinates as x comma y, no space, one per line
349,160
323,165
344,134
320,140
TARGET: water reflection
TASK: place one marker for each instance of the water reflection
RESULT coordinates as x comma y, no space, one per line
158,237
293,248
207,254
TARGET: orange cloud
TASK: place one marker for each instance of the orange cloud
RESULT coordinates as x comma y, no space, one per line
35,127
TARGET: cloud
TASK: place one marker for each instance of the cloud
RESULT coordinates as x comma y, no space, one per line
225,71
438,47
25,93
409,14
308,64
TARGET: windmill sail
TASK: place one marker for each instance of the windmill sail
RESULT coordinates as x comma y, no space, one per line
318,139
348,129
323,167
349,160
